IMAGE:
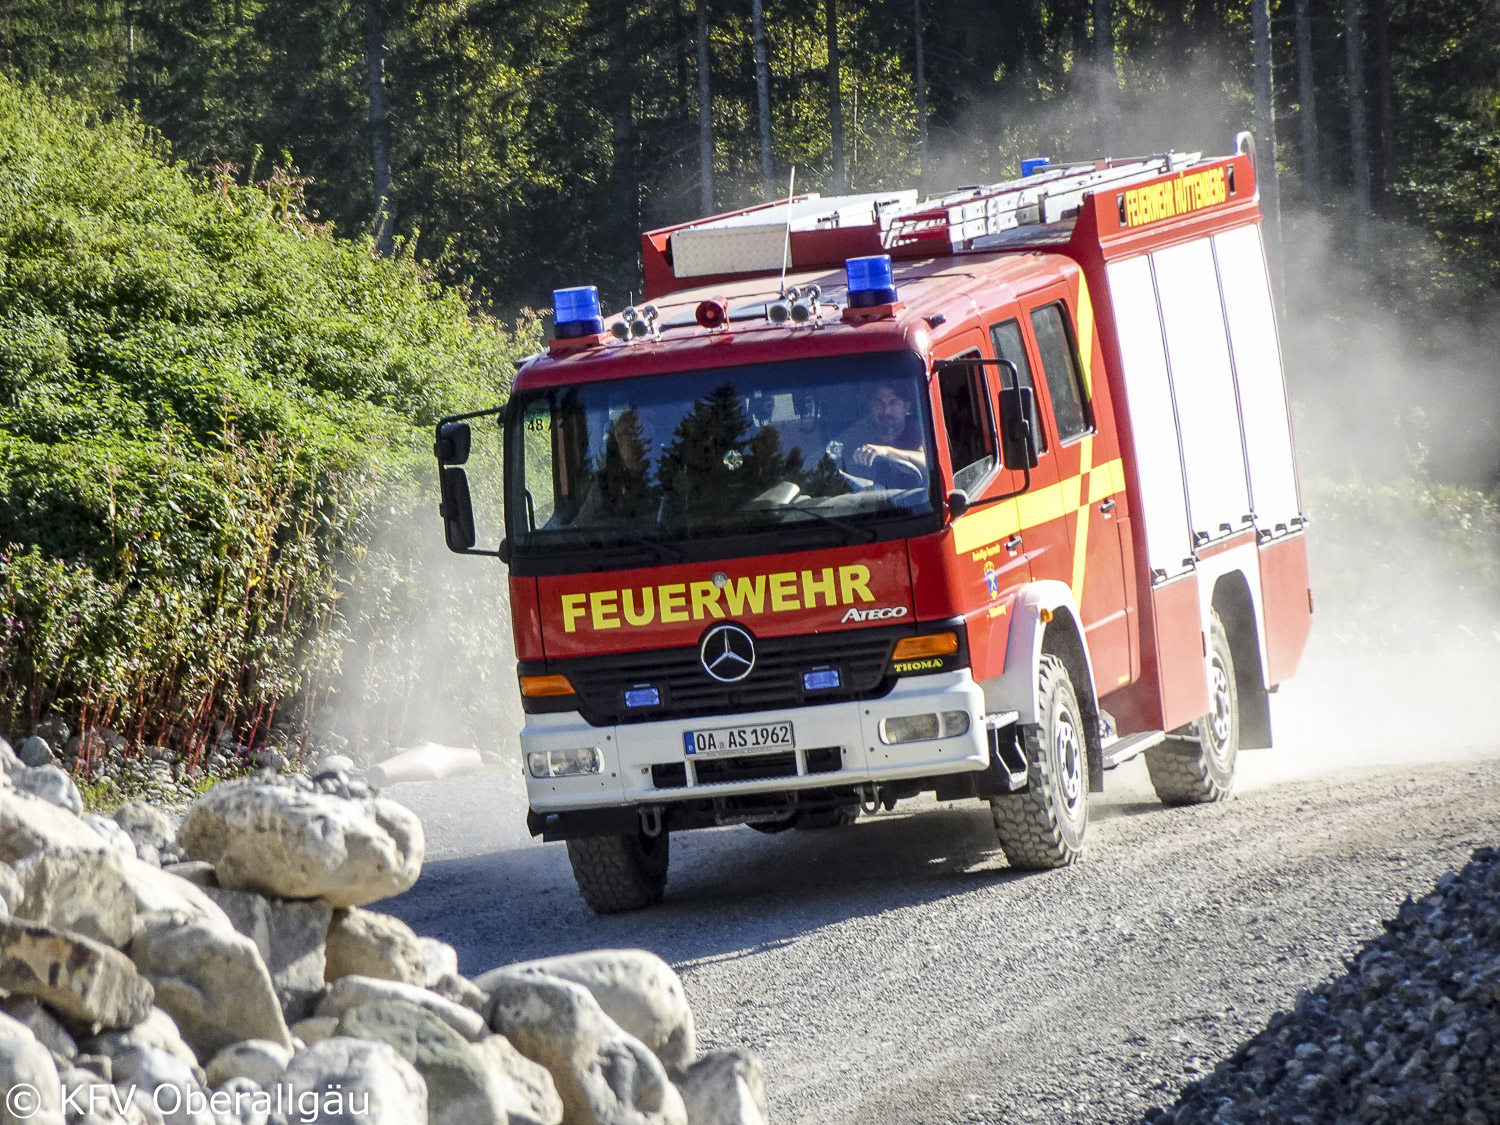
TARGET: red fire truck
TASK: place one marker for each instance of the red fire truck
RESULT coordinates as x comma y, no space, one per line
978,496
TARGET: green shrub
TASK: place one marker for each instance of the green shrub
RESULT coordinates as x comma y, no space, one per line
214,421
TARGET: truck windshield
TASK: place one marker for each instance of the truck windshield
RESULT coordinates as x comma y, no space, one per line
842,444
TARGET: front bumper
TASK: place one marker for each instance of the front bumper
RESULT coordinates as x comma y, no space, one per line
631,750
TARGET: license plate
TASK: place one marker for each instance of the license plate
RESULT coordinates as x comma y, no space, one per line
759,739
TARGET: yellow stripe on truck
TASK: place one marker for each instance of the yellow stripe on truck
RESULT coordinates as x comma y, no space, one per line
1081,533
976,530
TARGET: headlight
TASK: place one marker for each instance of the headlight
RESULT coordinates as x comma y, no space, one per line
565,763
918,728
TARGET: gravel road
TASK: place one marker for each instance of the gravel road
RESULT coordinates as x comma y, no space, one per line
898,971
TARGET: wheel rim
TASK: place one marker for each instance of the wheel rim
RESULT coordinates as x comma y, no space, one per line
1068,754
1221,717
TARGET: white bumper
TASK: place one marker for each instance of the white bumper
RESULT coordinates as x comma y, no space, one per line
631,749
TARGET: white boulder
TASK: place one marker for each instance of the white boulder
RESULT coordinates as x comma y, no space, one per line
604,1075
370,1082
285,841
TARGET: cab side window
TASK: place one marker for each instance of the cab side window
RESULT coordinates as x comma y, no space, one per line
969,422
1006,337
1060,365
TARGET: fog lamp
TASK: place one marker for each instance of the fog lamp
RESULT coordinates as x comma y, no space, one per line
565,763
919,728
910,728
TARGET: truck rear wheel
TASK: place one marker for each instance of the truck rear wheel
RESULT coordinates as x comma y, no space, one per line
1044,827
619,873
1183,775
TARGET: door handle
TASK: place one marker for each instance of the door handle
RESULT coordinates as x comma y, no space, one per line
1108,506
1013,544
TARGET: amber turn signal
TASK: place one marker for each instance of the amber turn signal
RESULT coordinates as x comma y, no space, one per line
933,644
534,686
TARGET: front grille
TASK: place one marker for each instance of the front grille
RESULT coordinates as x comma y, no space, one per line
861,656
747,767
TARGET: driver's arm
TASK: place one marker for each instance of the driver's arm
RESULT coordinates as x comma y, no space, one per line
866,454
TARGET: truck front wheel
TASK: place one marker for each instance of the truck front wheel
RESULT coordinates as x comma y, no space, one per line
1185,774
1044,827
619,873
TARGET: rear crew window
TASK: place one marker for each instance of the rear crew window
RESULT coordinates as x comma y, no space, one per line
1060,366
969,423
1008,345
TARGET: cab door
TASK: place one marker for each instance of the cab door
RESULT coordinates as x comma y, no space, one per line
1090,485
991,562
1041,533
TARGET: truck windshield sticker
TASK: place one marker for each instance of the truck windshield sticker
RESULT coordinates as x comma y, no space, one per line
536,416
1181,195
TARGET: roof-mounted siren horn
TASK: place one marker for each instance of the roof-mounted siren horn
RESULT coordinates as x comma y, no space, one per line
870,281
805,307
780,310
644,323
576,312
636,324
712,313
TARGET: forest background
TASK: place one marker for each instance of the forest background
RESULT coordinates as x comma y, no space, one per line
249,248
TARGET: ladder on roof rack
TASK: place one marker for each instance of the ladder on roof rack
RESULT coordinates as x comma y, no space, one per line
1047,196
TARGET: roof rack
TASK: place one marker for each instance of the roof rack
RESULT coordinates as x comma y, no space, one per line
825,232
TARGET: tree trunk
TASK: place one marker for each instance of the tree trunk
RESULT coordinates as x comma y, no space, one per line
680,56
1265,126
1386,87
624,178
1107,110
1359,152
762,98
1307,109
380,124
835,98
705,117
921,82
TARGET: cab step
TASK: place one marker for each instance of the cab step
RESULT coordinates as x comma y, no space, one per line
1120,749
1007,758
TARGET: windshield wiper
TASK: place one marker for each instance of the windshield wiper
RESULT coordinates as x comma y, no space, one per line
868,534
662,551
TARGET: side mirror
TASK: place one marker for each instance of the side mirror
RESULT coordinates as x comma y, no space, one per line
958,502
1017,438
457,508
452,445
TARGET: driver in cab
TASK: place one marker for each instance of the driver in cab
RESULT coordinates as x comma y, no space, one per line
890,433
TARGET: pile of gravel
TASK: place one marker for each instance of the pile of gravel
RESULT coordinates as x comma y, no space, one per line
1410,1033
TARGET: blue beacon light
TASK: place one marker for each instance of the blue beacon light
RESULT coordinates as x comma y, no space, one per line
1034,165
576,312
870,281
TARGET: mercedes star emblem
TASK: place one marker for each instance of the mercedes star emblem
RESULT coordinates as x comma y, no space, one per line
728,653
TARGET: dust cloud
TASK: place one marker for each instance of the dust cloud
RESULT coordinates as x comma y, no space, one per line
1395,406
1394,403
1393,365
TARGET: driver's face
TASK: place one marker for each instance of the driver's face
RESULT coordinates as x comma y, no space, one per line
889,411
